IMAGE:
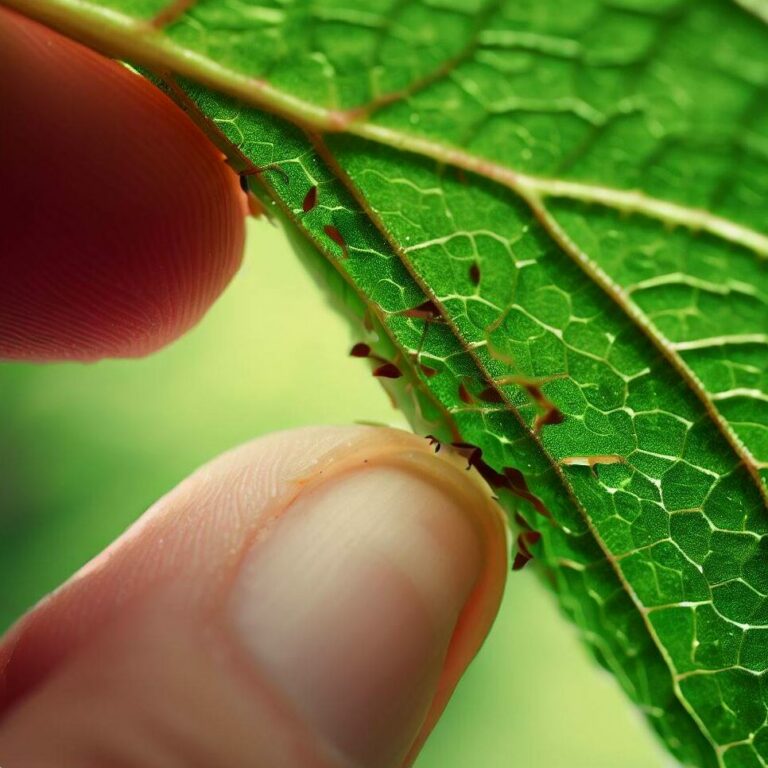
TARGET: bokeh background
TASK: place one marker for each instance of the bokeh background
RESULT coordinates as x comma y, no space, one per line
85,449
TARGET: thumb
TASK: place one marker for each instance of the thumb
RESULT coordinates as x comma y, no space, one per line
309,600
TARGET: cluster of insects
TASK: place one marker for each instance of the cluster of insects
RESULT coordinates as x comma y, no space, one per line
513,481
470,392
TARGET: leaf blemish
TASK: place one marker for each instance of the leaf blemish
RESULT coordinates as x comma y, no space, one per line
592,461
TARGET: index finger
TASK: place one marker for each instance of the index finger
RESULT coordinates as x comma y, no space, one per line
121,223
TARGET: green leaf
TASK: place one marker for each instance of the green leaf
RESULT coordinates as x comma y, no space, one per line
551,217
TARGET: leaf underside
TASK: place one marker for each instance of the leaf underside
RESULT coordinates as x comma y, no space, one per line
550,218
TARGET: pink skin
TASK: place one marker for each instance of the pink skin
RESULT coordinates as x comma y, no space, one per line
113,202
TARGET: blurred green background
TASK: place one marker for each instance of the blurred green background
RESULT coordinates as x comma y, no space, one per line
85,449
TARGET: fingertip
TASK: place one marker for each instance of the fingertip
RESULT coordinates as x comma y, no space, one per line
347,576
121,221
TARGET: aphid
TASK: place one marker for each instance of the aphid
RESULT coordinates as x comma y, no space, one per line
550,413
337,238
516,483
490,395
361,349
425,311
470,452
464,394
310,200
474,274
433,441
524,541
549,418
387,371
510,478
520,561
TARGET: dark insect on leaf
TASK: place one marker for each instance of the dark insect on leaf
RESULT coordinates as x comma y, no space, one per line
337,238
263,169
516,483
310,200
387,371
531,538
464,394
524,541
361,349
550,413
520,561
474,274
550,418
470,452
490,395
427,371
427,310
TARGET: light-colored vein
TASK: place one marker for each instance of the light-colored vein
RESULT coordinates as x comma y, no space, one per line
124,37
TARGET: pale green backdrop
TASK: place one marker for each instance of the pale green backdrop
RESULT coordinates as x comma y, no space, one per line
85,449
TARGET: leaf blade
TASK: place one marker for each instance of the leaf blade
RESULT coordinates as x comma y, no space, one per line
655,478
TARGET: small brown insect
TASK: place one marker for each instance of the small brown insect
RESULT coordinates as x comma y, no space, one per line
337,238
464,394
516,483
361,349
425,311
470,452
550,418
427,371
520,561
474,274
387,371
310,200
490,395
433,441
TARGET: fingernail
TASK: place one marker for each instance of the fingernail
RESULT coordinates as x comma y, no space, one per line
348,606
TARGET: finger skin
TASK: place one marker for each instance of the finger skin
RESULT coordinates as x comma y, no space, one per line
121,223
134,659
